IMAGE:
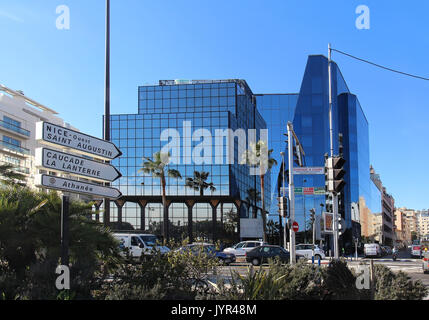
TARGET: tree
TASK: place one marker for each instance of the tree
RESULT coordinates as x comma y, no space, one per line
156,168
198,182
258,155
30,245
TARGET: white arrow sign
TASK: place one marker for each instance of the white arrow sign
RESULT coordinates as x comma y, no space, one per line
63,162
55,135
309,170
58,183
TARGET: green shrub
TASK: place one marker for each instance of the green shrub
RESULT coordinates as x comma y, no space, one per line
176,275
391,286
340,283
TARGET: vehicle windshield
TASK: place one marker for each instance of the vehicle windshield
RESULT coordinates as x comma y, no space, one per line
149,240
239,245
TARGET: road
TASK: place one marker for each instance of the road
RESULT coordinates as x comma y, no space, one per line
411,266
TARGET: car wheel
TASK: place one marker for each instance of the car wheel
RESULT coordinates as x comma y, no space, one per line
255,261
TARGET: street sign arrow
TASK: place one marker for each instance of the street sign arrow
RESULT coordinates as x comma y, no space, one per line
54,160
68,185
55,136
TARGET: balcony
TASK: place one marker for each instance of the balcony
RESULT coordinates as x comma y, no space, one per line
13,148
15,129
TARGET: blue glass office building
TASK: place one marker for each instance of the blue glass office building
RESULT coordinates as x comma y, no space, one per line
184,107
350,132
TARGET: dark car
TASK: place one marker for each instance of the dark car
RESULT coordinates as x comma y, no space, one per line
261,255
210,250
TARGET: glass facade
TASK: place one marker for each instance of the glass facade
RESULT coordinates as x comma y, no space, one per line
311,124
277,110
189,120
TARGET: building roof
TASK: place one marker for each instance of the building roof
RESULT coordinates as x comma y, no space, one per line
26,99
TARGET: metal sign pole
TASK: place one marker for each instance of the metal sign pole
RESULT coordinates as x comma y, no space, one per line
65,230
291,193
106,215
331,140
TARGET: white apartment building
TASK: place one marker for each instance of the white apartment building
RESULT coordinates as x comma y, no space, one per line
18,117
423,224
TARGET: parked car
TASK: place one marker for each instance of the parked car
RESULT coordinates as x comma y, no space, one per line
372,250
307,251
137,245
261,254
210,250
242,247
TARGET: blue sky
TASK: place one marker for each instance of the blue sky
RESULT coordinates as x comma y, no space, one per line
264,42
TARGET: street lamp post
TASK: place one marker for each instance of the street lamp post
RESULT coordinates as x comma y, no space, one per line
106,216
305,219
331,141
284,195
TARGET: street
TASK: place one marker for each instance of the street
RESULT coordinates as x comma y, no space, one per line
411,266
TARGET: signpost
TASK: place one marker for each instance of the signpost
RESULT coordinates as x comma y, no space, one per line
309,170
81,187
308,190
54,135
62,162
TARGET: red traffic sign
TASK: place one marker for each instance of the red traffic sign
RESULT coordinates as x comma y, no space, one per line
295,226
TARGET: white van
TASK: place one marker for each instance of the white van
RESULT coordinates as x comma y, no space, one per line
372,250
139,245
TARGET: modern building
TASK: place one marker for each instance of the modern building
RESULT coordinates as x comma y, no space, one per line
18,117
351,140
277,110
194,121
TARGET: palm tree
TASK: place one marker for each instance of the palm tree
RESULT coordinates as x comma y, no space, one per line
258,155
253,197
156,168
198,182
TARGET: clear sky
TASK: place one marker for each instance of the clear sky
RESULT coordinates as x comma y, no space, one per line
263,42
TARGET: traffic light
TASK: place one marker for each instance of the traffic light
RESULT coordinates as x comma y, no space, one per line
334,174
328,203
282,204
341,226
312,215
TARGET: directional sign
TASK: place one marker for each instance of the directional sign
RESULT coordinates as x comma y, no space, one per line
67,185
309,170
54,160
307,191
55,135
295,226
